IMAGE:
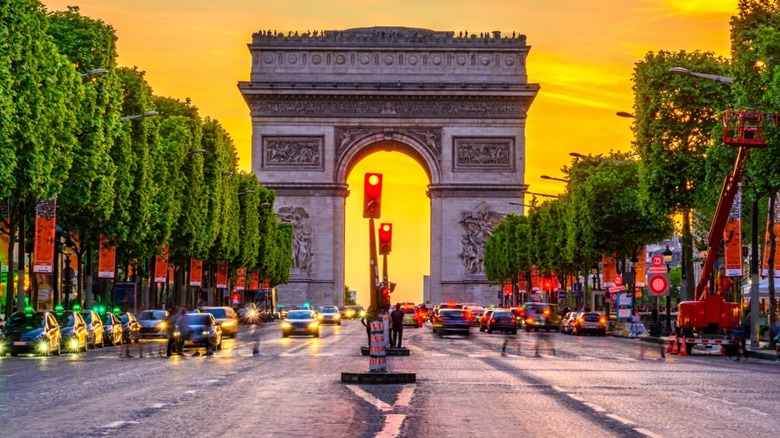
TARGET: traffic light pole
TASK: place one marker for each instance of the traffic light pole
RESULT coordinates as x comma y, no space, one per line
373,307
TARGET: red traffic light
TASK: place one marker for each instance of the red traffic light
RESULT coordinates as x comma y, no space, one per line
372,196
385,239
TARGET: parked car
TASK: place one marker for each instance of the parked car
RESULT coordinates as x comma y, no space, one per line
541,316
153,323
95,331
199,330
451,321
31,332
131,328
226,318
330,315
501,320
112,329
73,330
300,322
590,322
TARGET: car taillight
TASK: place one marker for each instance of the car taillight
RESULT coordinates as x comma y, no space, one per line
546,312
529,321
603,320
492,320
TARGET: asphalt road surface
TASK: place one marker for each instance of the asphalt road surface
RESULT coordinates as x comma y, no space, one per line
579,386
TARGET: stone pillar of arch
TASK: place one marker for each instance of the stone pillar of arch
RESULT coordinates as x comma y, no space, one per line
457,104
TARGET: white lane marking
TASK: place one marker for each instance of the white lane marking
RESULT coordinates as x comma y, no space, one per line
558,388
697,394
379,404
439,355
647,433
579,399
212,381
392,427
596,408
621,419
157,405
724,401
117,424
405,396
477,356
191,391
755,411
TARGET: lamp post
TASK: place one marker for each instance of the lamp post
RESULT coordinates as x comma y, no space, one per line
95,72
554,179
138,116
754,323
668,260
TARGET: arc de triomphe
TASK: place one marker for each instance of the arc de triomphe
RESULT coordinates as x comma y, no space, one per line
455,103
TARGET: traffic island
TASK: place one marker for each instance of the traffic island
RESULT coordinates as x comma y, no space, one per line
379,378
403,351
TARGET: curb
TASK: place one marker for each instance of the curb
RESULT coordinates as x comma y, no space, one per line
751,352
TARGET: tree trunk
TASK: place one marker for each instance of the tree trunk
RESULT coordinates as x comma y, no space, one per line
688,282
21,260
10,292
88,277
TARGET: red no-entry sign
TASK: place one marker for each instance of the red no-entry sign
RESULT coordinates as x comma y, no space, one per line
658,284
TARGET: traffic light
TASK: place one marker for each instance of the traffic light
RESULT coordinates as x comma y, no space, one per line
385,238
372,196
385,298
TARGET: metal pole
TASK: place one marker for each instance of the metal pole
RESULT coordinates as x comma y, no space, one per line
669,308
373,307
754,327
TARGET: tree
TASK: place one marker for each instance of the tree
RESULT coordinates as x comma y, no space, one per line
675,116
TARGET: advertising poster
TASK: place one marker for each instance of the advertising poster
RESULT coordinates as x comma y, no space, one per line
45,224
106,259
196,272
222,275
161,266
765,258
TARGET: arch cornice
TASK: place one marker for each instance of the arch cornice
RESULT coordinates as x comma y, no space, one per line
423,144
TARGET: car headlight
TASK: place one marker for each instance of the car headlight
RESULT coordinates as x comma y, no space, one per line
285,324
177,333
162,326
314,324
43,346
252,313
228,324
362,313
205,332
73,344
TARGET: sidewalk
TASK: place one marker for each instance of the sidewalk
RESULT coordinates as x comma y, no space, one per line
754,352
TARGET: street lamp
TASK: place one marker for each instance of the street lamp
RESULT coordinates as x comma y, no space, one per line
246,192
684,71
595,157
138,116
540,194
625,114
196,151
95,72
668,260
554,179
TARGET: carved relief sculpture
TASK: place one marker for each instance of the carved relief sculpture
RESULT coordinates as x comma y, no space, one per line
292,152
302,250
479,224
483,153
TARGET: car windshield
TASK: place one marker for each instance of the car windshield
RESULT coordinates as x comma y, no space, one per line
300,314
218,313
152,315
27,320
195,319
124,318
329,309
87,317
65,319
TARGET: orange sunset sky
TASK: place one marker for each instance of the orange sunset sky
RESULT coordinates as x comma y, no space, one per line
582,55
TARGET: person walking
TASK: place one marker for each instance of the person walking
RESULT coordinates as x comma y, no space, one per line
170,327
397,326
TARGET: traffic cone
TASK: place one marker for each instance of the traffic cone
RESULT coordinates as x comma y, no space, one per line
683,348
669,345
676,346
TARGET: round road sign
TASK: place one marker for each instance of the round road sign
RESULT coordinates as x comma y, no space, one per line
658,284
618,280
657,260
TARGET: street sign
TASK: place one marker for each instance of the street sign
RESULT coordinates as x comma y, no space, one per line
623,299
657,260
657,270
617,288
658,284
561,295
618,280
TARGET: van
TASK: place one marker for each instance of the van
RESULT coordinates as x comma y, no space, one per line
538,316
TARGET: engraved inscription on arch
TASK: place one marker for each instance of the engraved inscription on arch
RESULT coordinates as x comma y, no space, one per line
483,153
298,152
429,138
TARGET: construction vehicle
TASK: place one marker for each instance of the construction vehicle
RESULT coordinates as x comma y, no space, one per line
710,319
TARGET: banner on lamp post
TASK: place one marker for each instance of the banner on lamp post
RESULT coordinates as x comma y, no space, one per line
776,227
4,243
536,281
254,280
45,232
196,272
222,275
608,271
732,240
641,268
106,259
161,266
241,279
521,283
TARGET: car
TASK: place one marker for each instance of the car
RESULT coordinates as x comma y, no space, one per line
541,316
131,328
112,329
330,315
412,316
73,330
501,320
476,314
249,314
484,319
199,330
95,331
153,323
300,322
451,321
226,318
567,322
590,322
30,331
